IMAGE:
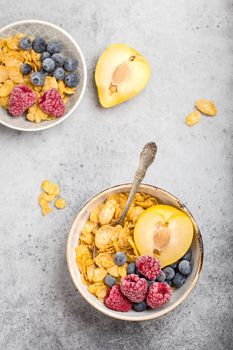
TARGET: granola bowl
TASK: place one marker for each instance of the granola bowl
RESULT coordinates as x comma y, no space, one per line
178,296
70,48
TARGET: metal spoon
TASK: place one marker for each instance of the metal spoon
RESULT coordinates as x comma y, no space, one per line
147,157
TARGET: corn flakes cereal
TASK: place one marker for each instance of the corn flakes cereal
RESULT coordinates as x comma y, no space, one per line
102,241
206,107
3,74
51,192
60,203
6,88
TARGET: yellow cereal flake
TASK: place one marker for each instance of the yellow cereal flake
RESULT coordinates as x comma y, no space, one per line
99,274
193,118
60,203
15,74
50,188
104,236
50,83
206,107
44,207
104,260
107,212
6,88
3,74
4,101
113,271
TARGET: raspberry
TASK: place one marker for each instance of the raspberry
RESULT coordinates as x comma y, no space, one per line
115,300
148,267
21,98
51,103
159,294
134,288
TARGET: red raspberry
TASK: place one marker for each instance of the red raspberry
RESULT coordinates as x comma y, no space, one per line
52,104
134,288
159,294
115,300
148,267
21,98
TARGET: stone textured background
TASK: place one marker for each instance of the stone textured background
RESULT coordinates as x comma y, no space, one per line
189,46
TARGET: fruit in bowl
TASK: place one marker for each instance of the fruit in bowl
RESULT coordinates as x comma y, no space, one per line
103,260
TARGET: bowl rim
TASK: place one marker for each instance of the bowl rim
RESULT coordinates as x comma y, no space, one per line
58,120
123,316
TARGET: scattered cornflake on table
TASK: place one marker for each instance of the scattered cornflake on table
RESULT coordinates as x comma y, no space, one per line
50,192
206,107
193,118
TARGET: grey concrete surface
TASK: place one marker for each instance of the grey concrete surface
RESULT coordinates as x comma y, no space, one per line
189,46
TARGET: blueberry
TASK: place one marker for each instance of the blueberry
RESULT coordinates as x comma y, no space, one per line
26,68
178,280
149,283
185,267
48,64
188,255
139,307
161,277
59,73
71,80
58,59
175,265
70,64
44,55
170,282
120,258
37,78
42,71
39,45
25,43
109,280
138,273
169,273
131,268
54,47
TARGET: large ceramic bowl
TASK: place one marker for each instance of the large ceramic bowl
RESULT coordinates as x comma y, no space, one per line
178,296
70,49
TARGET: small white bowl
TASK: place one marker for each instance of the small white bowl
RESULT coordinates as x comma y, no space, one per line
178,296
70,49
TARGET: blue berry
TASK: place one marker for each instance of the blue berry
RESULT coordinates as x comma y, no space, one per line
48,64
109,280
149,283
139,307
71,80
178,280
42,71
44,55
37,78
175,265
59,73
185,267
188,255
161,277
131,268
26,68
169,273
54,47
120,258
25,43
58,59
70,64
39,45
170,282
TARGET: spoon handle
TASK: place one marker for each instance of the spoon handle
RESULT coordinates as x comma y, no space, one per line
147,157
